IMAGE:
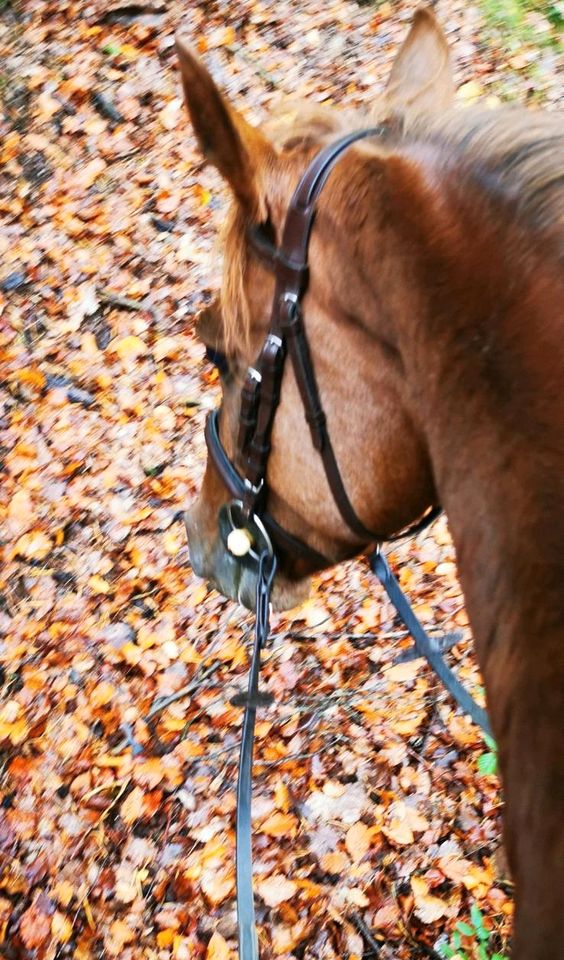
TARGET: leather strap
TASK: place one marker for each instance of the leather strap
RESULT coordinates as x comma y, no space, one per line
379,566
289,262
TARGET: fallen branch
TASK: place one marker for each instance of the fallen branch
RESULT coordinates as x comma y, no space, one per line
163,702
366,934
127,303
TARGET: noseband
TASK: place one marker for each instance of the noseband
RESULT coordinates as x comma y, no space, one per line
261,391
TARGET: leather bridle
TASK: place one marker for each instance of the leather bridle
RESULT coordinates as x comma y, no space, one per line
247,514
261,391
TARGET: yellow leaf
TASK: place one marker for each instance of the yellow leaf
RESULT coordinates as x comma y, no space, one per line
128,51
165,938
120,934
16,732
217,948
98,585
399,831
276,889
356,896
336,862
34,545
129,348
90,172
64,892
469,92
357,840
282,796
102,694
61,927
403,672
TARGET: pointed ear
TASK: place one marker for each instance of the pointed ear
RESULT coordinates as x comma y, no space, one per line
421,78
209,326
238,150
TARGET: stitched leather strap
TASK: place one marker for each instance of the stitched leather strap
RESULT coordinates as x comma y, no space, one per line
289,262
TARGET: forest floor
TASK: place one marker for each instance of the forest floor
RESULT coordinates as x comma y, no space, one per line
377,807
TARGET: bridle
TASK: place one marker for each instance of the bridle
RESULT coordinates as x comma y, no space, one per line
246,514
261,391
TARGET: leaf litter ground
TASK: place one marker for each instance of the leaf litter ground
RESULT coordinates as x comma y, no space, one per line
377,814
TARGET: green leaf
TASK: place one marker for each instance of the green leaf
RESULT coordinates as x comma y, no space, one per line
490,742
487,764
446,951
111,49
482,952
465,929
456,940
477,918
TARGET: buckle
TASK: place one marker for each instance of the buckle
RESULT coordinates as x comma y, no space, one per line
246,538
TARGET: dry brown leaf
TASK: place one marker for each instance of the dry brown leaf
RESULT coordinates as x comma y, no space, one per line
357,840
35,927
276,889
427,907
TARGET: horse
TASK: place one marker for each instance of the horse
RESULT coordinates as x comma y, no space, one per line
435,319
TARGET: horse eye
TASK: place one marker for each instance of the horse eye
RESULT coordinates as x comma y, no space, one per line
219,360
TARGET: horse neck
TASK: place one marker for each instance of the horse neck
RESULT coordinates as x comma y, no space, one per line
480,338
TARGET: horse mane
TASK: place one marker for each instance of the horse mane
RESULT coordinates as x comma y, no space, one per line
512,153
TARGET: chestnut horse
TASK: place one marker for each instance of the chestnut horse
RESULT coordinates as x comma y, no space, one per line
435,317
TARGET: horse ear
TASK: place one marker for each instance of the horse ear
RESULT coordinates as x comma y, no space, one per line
238,150
209,326
421,78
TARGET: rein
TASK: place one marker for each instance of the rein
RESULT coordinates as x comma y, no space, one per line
247,529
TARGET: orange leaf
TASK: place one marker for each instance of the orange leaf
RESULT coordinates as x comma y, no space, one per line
280,825
35,927
357,840
131,808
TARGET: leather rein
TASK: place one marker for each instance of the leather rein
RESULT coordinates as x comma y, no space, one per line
248,530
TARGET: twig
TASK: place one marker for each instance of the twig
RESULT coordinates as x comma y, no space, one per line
127,303
163,702
80,845
365,932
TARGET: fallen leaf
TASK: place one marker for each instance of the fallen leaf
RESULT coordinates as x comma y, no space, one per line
276,889
217,948
357,840
427,907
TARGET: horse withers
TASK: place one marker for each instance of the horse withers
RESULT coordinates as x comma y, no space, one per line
435,317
